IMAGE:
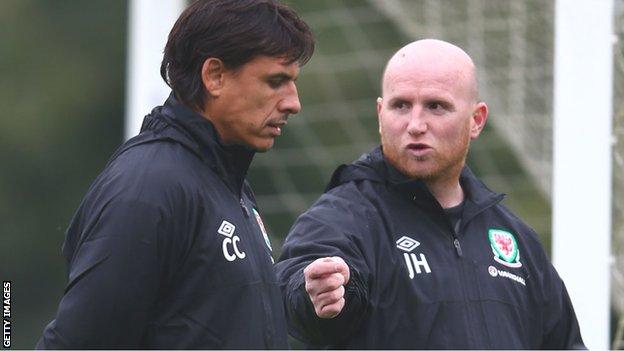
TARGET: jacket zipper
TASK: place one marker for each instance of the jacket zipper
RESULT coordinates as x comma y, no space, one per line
244,208
456,243
458,249
268,313
469,314
471,326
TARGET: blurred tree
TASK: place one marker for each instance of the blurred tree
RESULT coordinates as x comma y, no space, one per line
62,88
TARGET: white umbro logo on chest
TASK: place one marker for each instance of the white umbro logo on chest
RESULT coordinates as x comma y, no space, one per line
228,229
414,264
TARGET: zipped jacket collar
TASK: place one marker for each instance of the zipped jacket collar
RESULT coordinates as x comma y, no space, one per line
374,167
230,162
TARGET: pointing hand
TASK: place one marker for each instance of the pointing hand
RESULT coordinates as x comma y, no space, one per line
325,281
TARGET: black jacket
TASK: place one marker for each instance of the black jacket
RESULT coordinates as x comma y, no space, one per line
417,282
166,250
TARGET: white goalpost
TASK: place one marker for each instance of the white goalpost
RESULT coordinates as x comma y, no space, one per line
582,191
148,27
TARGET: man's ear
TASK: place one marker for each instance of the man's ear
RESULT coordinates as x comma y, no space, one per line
478,119
212,74
379,106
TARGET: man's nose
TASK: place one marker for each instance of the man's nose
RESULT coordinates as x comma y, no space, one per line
290,103
417,124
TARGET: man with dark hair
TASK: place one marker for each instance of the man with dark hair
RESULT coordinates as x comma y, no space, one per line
167,249
407,249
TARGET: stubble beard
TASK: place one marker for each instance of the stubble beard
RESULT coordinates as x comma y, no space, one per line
440,166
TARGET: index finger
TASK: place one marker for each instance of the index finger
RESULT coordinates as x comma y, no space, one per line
318,269
342,267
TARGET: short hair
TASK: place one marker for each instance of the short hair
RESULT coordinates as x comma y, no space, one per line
234,31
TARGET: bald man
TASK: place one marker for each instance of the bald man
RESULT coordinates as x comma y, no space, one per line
407,249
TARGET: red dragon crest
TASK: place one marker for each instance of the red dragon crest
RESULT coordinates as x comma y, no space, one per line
504,243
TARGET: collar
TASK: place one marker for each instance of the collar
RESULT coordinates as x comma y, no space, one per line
230,162
477,196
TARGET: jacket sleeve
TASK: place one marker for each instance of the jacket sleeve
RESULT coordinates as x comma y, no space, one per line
561,328
113,280
334,226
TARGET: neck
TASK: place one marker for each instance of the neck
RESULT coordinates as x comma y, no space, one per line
448,192
209,111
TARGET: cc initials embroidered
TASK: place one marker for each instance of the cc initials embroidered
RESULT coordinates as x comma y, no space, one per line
227,229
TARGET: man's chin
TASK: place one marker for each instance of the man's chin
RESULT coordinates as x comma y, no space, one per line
416,169
421,175
263,147
433,173
421,171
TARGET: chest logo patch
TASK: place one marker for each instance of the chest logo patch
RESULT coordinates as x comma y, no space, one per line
230,245
407,244
505,248
495,272
264,232
226,228
414,264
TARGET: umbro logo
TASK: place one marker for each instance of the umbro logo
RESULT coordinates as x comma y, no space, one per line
407,244
414,264
226,229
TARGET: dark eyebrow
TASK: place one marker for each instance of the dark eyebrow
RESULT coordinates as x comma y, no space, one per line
281,76
397,99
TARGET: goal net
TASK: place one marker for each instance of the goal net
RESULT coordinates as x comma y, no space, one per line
510,41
